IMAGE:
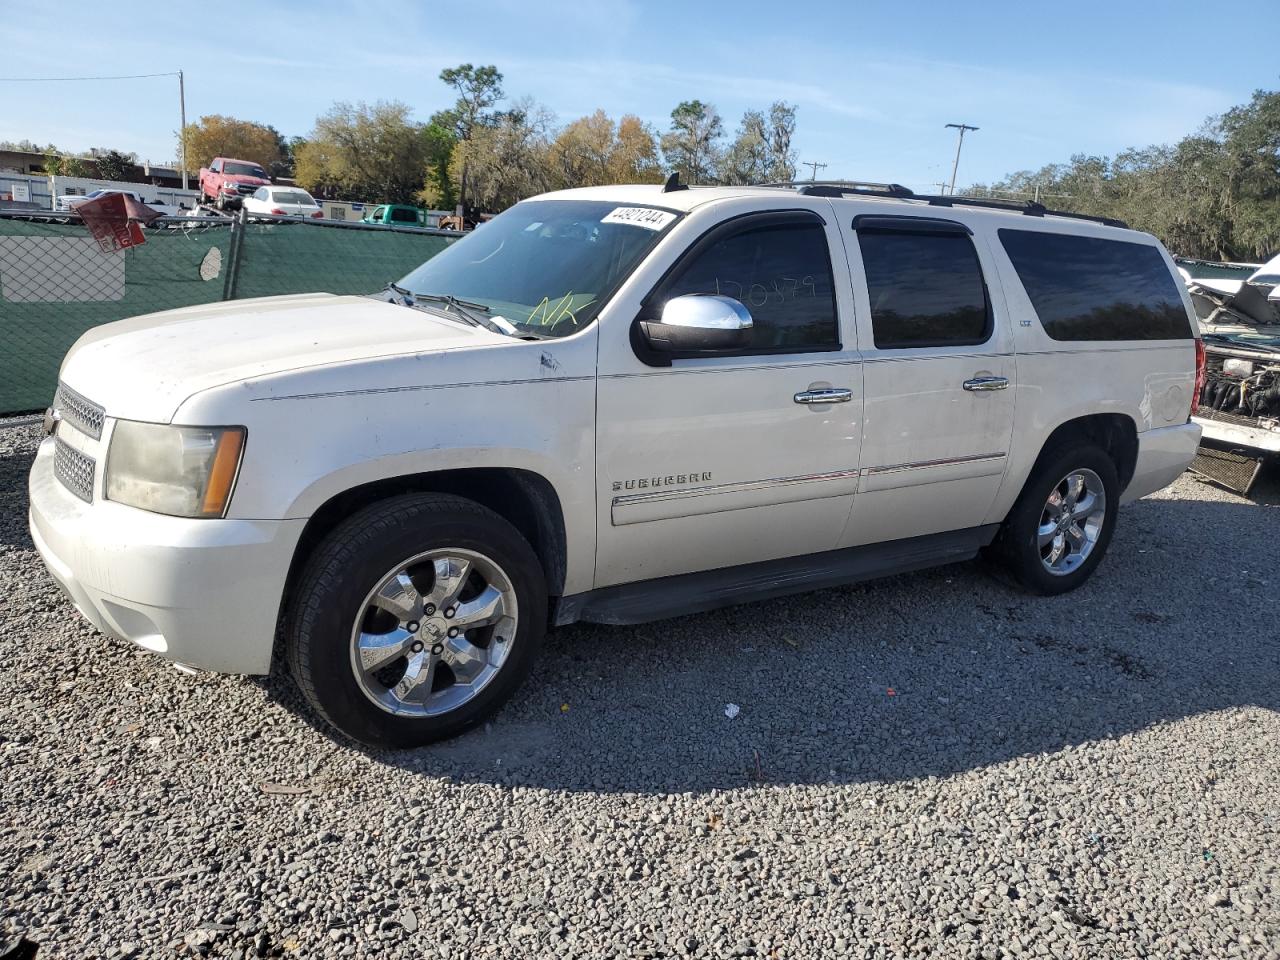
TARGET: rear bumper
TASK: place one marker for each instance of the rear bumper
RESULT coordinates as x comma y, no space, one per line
204,593
1163,454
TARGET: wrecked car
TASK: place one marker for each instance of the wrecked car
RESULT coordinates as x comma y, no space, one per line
1239,408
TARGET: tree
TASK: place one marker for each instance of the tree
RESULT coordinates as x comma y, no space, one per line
479,89
438,191
288,148
1214,194
782,128
691,145
363,152
634,158
507,160
593,151
581,154
747,159
761,151
221,136
24,146
114,165
62,164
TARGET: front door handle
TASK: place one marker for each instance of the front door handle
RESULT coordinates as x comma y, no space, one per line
983,384
824,395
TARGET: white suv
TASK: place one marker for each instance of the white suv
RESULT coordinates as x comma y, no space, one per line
614,405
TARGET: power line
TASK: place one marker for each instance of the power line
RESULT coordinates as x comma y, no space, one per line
133,76
182,100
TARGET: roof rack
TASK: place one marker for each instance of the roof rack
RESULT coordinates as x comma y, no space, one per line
840,188
843,188
1030,208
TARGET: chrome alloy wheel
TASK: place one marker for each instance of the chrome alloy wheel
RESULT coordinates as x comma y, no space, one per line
434,632
1071,521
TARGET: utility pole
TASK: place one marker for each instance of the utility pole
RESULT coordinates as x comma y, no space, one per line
182,131
962,127
816,166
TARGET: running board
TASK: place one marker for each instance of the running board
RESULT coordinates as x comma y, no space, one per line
665,597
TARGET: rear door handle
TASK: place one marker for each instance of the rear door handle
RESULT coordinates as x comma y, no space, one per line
824,395
983,384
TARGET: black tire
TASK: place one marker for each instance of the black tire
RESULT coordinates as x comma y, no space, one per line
351,561
1016,548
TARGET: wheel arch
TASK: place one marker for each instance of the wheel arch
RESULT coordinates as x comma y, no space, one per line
1115,433
526,500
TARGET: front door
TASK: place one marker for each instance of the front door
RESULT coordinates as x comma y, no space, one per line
938,372
718,461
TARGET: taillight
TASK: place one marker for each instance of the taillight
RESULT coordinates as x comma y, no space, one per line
1200,376
277,211
317,215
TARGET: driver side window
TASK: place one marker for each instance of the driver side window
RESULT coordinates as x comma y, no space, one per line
780,271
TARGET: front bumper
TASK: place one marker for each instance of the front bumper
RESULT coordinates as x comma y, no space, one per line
1240,436
204,593
1163,454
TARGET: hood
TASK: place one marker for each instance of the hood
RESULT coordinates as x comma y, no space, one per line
145,367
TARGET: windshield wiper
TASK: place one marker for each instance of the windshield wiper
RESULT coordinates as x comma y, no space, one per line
451,300
470,311
406,296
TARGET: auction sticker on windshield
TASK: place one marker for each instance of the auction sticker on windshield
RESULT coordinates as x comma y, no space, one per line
645,217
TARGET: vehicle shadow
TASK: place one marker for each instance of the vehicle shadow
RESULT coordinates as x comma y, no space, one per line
928,674
922,675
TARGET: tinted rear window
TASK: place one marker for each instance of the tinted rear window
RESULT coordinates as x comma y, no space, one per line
1086,288
926,289
401,215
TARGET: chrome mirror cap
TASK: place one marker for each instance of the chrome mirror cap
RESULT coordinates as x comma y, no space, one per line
706,311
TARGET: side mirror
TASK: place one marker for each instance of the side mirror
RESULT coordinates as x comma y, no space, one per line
694,325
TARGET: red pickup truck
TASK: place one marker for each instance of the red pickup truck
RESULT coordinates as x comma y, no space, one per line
226,182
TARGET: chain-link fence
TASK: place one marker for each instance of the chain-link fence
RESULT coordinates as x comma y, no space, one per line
55,283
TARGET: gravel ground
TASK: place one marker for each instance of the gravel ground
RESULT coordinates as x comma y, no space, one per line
932,765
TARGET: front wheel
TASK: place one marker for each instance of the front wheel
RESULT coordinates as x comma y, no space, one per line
1059,529
416,619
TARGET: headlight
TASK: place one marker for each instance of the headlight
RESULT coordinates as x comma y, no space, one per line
180,471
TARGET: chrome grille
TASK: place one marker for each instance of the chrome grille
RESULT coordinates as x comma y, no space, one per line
74,469
85,415
246,189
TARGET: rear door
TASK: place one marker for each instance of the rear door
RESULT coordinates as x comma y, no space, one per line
719,461
938,372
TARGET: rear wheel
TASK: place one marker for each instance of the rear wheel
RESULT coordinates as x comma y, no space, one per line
1059,529
416,619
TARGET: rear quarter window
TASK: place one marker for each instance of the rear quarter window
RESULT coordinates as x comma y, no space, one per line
1088,288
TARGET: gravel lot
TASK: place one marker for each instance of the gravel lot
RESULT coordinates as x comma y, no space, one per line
932,765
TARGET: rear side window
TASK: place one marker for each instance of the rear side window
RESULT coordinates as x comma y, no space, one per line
781,272
926,289
1087,288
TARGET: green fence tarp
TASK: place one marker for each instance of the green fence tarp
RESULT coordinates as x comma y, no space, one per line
55,283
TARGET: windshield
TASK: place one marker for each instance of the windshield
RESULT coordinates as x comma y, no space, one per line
545,265
245,170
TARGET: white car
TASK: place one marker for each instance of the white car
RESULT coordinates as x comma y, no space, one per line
69,201
280,201
612,405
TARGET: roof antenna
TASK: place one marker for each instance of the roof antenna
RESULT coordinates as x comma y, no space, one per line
673,183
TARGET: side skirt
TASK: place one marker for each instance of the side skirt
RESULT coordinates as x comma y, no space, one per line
666,597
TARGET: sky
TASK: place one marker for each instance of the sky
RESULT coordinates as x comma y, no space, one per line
874,82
